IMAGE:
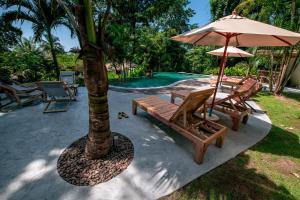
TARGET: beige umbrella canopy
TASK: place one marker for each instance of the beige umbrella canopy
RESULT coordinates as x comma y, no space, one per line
234,30
231,52
241,31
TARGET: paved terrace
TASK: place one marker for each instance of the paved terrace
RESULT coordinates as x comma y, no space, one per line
31,142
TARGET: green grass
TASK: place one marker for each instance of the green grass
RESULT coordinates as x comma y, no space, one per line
265,171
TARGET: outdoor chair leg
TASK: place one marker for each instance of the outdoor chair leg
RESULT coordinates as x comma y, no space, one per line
57,110
172,98
46,107
245,119
220,141
200,150
134,107
235,123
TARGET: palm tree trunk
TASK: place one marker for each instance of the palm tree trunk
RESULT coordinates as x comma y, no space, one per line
95,76
271,70
54,57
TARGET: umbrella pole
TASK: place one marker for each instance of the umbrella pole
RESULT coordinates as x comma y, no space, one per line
223,69
219,76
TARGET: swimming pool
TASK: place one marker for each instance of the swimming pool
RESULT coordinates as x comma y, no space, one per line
159,79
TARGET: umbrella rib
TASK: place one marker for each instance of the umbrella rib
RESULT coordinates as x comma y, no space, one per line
237,41
201,38
221,34
282,40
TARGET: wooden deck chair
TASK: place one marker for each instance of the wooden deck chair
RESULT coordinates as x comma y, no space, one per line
230,81
69,78
200,132
230,105
56,91
20,94
25,86
242,100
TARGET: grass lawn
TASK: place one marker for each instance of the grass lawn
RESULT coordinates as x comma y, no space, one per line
269,170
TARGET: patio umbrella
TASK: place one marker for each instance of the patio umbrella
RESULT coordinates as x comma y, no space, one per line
231,52
234,30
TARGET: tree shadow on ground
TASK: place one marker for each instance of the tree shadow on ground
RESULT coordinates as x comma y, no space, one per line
279,142
292,95
233,180
236,179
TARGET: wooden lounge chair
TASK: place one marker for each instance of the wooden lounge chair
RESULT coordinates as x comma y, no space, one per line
200,132
231,82
21,94
56,91
69,79
230,105
249,94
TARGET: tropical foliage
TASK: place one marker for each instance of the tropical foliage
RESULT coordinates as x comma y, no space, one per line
27,61
137,40
9,35
285,14
44,15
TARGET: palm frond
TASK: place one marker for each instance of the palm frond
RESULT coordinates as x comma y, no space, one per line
14,15
38,30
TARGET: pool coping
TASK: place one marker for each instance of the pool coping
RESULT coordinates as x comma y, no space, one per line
119,88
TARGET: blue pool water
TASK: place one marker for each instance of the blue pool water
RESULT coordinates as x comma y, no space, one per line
158,79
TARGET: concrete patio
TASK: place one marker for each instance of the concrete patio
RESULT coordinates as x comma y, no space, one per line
31,142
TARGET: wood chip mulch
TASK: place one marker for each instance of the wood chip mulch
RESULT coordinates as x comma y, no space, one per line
74,168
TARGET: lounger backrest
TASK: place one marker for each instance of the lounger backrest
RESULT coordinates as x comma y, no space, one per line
15,87
67,77
245,91
193,101
53,88
247,85
257,88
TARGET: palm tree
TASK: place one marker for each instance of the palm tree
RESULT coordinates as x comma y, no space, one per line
45,15
95,74
93,47
46,47
9,35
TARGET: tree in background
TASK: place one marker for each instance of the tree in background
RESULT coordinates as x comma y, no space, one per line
221,8
58,48
26,61
145,22
199,60
45,15
9,35
283,14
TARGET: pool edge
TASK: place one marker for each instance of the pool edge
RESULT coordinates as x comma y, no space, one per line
119,88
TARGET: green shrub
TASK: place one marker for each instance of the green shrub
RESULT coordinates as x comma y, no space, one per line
240,69
5,74
112,75
137,72
211,70
69,62
30,64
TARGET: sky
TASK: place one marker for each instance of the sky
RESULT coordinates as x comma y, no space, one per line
201,17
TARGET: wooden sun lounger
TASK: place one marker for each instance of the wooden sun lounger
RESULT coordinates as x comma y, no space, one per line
56,91
231,105
18,93
242,100
68,77
200,132
229,81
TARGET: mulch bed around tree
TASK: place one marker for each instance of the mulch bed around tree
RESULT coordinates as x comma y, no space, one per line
74,168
